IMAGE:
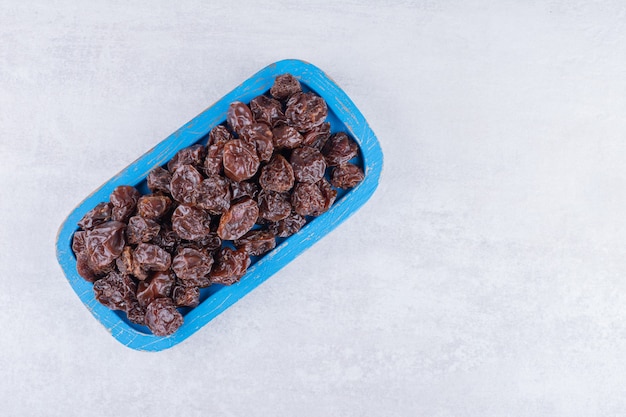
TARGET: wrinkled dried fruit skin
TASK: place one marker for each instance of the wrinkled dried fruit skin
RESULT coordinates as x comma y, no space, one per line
240,160
159,180
153,207
285,85
127,265
286,137
230,266
243,189
140,230
219,134
257,242
103,244
213,195
238,219
158,285
167,238
184,182
185,296
136,313
162,318
274,206
239,116
259,136
307,199
346,176
191,223
78,242
339,149
213,164
152,257
84,270
267,110
308,164
317,137
193,155
329,194
306,111
192,267
124,202
288,226
277,175
210,242
115,291
98,215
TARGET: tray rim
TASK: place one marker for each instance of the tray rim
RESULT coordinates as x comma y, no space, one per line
345,110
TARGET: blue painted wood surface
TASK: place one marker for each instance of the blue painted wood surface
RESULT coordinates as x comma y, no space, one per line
343,116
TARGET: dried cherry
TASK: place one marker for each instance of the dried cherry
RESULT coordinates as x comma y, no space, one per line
191,223
124,202
257,242
273,206
153,206
285,85
306,111
339,149
346,176
239,218
184,182
239,116
240,160
308,164
230,266
192,267
277,175
267,110
162,318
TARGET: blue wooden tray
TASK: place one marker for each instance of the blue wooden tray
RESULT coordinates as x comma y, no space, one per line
343,116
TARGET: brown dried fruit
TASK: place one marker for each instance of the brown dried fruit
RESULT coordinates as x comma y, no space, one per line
257,242
193,155
277,175
101,213
285,85
287,226
230,266
267,110
308,164
213,195
191,223
162,318
184,182
239,116
306,111
124,202
274,206
192,267
159,180
240,160
238,219
140,230
346,176
259,136
286,137
158,285
339,149
153,206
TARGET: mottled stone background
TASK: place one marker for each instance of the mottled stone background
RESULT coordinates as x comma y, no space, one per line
486,276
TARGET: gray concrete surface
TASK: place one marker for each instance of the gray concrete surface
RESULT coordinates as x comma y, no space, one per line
486,277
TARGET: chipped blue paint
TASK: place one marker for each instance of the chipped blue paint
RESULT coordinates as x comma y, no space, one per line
343,115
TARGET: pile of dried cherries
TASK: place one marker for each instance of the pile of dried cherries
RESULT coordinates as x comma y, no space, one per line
261,175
